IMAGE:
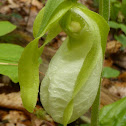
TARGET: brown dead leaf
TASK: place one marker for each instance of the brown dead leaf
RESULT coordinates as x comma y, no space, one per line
107,97
35,3
108,62
117,90
122,76
11,101
6,80
120,84
17,118
36,121
113,47
120,59
33,14
13,4
5,9
107,83
39,122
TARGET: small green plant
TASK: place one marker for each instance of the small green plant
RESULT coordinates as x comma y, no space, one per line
9,53
121,37
71,83
118,20
109,72
9,57
117,13
114,114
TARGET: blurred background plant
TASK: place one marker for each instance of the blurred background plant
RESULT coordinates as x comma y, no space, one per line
117,20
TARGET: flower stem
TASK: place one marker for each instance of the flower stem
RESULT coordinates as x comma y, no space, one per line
95,108
104,10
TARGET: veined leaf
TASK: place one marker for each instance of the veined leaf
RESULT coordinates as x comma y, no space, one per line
114,114
9,57
66,84
6,27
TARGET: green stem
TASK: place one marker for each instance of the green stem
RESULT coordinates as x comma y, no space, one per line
104,10
95,108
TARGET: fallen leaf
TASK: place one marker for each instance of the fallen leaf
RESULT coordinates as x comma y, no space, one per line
113,47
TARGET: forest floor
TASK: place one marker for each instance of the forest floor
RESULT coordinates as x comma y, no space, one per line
22,13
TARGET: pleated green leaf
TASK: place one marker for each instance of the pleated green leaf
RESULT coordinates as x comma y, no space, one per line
114,114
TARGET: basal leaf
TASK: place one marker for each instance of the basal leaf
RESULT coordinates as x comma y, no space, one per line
9,57
76,67
114,114
109,72
6,27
